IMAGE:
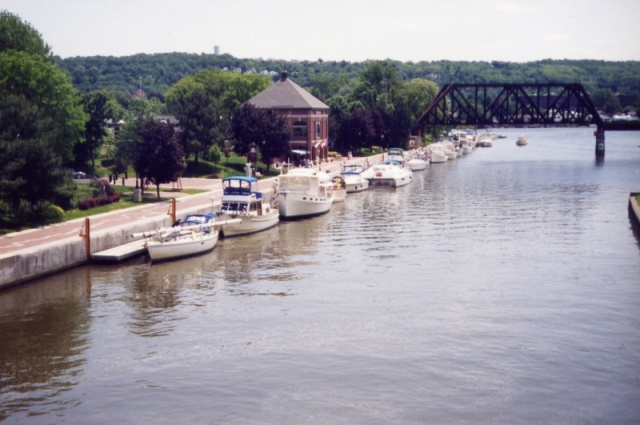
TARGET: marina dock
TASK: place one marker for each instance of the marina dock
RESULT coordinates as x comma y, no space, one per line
120,253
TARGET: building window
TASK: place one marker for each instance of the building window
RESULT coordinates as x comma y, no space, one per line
318,131
300,128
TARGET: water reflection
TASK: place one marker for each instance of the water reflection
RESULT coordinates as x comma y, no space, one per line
44,333
504,267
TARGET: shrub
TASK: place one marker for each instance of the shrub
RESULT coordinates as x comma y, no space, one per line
96,201
87,203
53,213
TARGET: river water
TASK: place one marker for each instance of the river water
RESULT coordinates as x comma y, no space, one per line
502,287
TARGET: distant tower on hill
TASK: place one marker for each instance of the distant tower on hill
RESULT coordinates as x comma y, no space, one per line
216,50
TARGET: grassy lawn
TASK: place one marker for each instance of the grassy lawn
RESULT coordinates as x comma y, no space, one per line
232,166
149,197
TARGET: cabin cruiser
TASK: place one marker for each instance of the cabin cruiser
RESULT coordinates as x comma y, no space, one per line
304,192
353,179
437,153
417,160
242,199
388,173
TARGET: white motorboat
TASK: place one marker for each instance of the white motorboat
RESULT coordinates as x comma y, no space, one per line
388,173
485,142
437,153
522,140
353,179
304,192
395,154
449,149
417,161
466,147
197,234
242,199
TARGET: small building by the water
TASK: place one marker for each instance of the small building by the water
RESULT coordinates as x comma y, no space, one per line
307,116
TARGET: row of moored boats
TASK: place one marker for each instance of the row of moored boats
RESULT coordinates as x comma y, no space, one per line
300,193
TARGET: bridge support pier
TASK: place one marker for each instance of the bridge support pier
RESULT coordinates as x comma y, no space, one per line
599,133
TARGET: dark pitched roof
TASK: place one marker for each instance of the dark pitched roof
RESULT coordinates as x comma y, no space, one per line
285,94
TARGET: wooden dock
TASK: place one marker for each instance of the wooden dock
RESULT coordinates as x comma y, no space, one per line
120,253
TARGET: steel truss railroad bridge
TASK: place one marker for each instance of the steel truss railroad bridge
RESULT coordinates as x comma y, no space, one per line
518,105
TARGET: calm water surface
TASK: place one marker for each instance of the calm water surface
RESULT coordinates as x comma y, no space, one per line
502,287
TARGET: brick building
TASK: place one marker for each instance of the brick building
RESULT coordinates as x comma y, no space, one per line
307,116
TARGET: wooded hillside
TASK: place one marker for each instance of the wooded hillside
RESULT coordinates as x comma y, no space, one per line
157,72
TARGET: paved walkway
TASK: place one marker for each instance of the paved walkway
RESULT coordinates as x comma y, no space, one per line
13,242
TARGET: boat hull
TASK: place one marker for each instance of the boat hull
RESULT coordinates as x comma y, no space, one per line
391,180
417,164
297,205
355,182
250,223
182,247
357,186
438,157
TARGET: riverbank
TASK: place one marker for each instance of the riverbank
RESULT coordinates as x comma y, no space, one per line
35,253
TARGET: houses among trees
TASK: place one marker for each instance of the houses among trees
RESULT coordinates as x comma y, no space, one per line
54,111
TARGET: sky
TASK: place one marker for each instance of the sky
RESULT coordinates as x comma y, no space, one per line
336,30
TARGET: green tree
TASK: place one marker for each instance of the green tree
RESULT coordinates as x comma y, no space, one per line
159,155
358,129
264,128
40,121
19,36
606,100
215,155
204,103
96,105
127,140
419,94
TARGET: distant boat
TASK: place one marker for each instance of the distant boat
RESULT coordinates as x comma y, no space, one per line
388,173
417,161
485,142
353,179
436,153
522,140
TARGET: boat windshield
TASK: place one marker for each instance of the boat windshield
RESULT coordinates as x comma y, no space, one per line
236,187
194,220
233,207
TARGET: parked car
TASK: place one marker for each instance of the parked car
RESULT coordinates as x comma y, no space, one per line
78,175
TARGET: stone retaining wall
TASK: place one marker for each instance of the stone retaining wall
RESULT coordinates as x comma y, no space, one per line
32,263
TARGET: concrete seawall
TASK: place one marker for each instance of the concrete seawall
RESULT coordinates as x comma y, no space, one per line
67,249
31,263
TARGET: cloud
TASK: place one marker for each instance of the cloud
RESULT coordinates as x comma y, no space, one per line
513,6
557,37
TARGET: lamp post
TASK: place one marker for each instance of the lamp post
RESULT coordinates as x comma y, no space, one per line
137,192
253,157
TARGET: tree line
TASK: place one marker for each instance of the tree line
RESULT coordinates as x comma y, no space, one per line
158,72
53,112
